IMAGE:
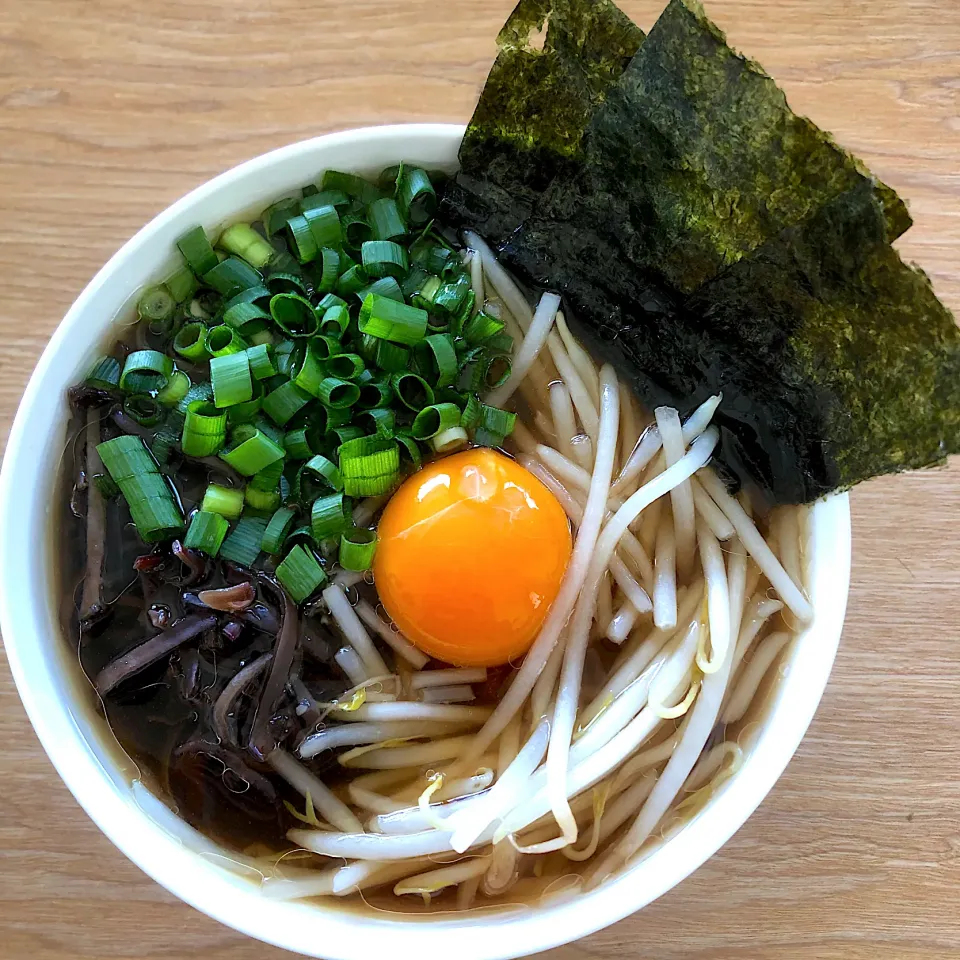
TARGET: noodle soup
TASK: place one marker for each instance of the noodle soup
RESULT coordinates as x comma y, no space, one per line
391,588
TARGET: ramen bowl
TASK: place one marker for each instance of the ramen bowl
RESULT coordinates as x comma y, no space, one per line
66,716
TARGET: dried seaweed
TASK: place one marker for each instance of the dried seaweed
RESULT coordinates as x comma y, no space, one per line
709,239
557,60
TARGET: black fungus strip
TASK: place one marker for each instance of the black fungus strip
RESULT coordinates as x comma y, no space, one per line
150,651
260,737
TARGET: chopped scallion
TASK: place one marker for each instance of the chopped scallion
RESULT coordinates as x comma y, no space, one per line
148,495
275,534
330,516
227,501
206,533
357,548
250,450
243,543
204,429
300,574
230,376
369,466
245,242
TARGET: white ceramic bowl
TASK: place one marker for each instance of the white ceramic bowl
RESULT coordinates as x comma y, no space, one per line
78,741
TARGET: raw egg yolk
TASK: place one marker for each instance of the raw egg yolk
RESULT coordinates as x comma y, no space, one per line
471,554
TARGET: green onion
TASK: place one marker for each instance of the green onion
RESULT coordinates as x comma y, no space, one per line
329,270
496,372
431,256
243,544
284,402
250,450
249,409
182,284
283,281
199,391
352,281
204,429
143,408
249,295
230,376
190,342
226,501
384,287
281,523
263,490
275,217
164,446
104,374
146,371
437,359
410,447
246,318
499,343
413,282
346,366
481,327
294,315
434,420
391,357
261,362
369,466
325,198
374,393
245,242
357,548
230,276
494,426
471,413
356,231
425,297
302,241
298,444
451,296
324,469
380,421
329,516
383,258
386,219
148,495
339,435
175,390
262,338
206,533
197,251
338,394
463,315
415,195
350,184
335,322
300,574
156,303
412,390
324,224
262,500
104,483
449,440
223,340
386,319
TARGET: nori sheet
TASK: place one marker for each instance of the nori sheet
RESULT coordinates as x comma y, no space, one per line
708,239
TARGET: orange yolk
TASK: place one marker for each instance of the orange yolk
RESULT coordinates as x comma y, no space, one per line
472,551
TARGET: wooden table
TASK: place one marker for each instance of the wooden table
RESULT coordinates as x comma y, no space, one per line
111,109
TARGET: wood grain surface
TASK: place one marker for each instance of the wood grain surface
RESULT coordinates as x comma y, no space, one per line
111,109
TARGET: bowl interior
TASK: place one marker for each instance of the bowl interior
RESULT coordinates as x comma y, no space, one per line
63,708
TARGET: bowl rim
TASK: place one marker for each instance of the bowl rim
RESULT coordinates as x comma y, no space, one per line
108,798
